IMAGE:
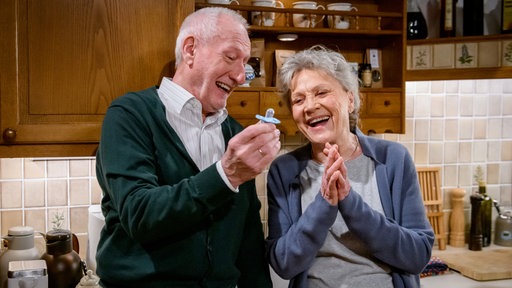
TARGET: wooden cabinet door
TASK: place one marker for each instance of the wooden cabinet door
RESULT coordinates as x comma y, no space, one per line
62,62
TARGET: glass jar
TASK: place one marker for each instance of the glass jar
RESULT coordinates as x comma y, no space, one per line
365,74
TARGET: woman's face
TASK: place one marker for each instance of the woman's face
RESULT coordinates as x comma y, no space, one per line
320,106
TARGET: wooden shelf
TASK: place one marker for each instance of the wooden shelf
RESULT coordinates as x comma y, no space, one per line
459,74
459,39
381,23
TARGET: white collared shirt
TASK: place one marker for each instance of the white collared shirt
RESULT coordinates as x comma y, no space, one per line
204,141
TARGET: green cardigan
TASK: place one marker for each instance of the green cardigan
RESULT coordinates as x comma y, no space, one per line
167,224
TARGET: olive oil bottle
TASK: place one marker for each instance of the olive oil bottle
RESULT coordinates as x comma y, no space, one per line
486,214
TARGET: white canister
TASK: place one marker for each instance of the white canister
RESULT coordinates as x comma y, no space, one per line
96,223
20,246
29,273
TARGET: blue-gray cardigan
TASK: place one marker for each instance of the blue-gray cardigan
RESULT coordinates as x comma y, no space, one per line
402,238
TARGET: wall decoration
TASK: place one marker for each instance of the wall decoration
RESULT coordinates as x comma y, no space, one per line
466,55
421,57
507,53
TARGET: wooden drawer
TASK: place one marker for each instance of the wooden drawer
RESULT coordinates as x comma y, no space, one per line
288,127
382,103
381,125
244,104
273,100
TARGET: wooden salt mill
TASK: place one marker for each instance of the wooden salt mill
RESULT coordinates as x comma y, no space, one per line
457,223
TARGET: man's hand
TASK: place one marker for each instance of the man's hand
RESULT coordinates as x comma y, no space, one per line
250,151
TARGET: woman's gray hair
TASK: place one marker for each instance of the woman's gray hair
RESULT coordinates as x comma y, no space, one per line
203,26
322,59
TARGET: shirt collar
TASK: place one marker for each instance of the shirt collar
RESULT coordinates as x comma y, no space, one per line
176,98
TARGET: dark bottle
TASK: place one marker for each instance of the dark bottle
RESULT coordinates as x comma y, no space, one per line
475,231
416,24
486,212
473,18
506,16
63,263
448,8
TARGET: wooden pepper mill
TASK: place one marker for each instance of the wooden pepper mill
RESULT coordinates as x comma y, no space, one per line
457,223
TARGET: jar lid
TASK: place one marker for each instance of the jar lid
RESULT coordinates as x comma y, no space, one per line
20,231
365,66
56,235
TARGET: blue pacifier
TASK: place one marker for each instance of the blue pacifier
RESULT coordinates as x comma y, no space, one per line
269,117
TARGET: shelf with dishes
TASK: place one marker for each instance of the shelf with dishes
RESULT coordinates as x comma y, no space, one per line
363,31
288,20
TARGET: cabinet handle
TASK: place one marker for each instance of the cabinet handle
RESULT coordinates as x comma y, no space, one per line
280,104
387,103
243,103
9,135
388,131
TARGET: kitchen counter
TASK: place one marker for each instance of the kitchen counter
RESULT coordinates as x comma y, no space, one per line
453,279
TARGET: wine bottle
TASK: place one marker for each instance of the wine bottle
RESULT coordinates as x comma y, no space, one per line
475,231
506,16
473,23
416,23
486,212
448,8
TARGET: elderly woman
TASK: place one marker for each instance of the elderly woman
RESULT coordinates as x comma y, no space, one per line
345,210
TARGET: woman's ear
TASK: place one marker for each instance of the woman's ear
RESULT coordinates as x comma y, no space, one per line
350,101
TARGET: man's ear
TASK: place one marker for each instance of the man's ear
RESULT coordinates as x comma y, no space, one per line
189,49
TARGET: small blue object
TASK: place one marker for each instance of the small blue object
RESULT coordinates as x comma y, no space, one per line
269,117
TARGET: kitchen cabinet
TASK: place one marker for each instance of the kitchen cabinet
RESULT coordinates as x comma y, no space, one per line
377,25
245,103
380,109
456,58
63,62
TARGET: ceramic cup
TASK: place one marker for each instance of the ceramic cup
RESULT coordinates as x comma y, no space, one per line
307,20
338,21
225,2
250,74
265,18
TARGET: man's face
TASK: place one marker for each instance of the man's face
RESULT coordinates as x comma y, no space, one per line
218,68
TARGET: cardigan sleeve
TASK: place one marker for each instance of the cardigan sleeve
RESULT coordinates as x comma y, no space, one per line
293,243
403,240
143,171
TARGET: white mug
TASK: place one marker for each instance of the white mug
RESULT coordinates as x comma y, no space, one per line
225,2
265,18
338,21
306,20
